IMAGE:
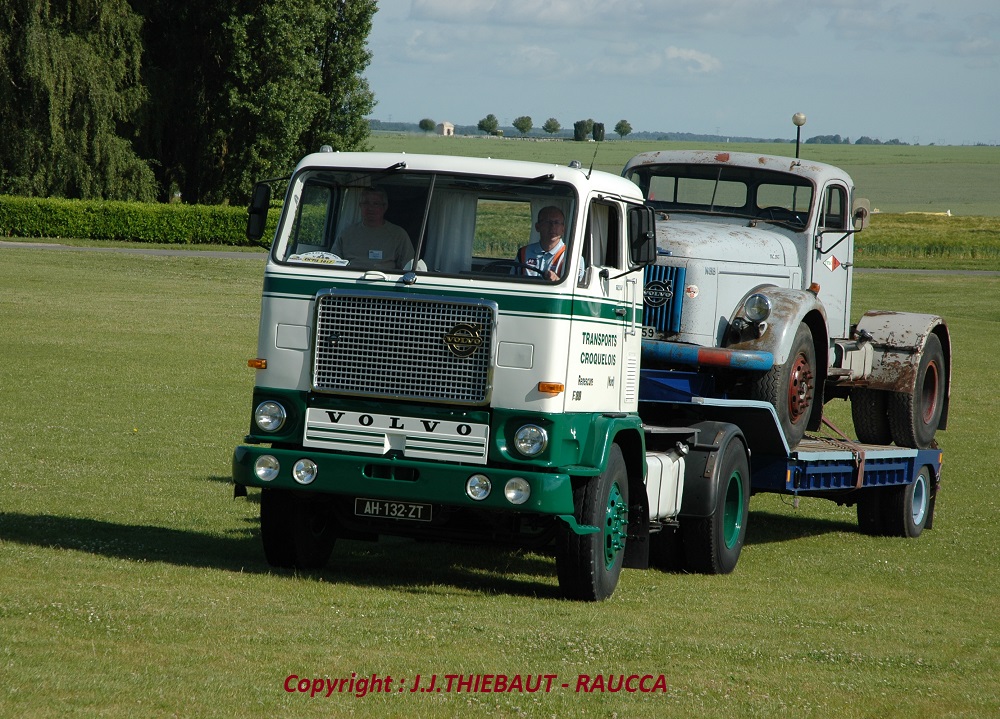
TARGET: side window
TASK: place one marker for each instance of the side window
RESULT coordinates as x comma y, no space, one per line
310,231
835,208
604,235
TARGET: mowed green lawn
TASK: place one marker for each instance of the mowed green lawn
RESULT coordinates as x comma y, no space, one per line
132,584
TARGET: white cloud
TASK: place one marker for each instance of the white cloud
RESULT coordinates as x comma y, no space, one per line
694,60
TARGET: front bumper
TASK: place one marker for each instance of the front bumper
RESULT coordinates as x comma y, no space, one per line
406,480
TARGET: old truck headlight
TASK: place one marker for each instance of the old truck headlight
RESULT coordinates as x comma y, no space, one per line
478,487
269,416
304,471
517,490
757,307
266,467
531,440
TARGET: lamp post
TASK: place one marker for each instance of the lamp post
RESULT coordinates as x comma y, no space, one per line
798,119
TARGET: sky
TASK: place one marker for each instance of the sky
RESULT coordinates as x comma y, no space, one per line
921,71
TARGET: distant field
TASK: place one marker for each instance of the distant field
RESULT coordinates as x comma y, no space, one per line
896,178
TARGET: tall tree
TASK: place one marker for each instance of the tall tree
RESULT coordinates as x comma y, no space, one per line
623,128
70,87
239,91
552,126
523,124
489,124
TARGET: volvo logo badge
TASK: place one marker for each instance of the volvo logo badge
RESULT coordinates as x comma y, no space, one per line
463,339
657,294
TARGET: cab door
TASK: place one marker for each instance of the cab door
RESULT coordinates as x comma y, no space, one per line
833,258
605,340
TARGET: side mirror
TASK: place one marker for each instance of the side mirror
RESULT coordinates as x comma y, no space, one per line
861,213
641,235
260,203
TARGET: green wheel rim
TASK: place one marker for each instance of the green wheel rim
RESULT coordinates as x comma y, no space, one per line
732,517
615,524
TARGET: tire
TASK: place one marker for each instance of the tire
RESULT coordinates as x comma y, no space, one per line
869,507
905,510
914,418
870,411
295,531
666,550
791,388
589,565
712,545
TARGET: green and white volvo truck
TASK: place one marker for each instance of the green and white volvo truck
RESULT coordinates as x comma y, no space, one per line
616,413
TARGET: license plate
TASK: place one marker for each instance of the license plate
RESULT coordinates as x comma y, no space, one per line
651,333
387,509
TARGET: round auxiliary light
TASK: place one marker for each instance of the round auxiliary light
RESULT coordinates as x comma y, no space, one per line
266,467
304,471
478,487
757,307
531,440
269,416
517,490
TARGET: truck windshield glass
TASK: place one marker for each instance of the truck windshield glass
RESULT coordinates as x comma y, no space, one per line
508,229
727,190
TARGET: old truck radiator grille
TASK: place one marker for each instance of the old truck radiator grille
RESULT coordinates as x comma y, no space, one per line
423,348
663,298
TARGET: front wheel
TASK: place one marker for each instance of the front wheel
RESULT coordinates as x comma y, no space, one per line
791,388
295,531
712,545
589,565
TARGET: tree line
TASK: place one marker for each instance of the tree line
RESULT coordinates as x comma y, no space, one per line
153,99
524,125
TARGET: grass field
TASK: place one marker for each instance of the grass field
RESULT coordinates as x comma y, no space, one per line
132,584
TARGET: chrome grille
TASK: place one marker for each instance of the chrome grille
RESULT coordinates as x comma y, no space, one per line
381,345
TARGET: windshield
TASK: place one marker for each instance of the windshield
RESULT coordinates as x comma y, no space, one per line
727,190
395,221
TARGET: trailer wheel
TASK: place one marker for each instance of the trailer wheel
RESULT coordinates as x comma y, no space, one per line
914,418
589,565
907,509
870,411
712,545
791,388
295,532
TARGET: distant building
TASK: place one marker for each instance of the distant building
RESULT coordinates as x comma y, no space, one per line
445,129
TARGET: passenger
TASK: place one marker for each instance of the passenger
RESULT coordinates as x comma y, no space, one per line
374,243
547,257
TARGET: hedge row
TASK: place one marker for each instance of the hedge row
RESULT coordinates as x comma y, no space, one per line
125,221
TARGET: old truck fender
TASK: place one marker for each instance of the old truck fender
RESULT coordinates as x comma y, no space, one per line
789,308
701,469
899,339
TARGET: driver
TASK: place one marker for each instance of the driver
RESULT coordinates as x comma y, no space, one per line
547,257
374,243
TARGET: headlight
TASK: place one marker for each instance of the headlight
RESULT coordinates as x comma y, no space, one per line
531,440
757,307
304,471
478,487
269,416
517,490
266,467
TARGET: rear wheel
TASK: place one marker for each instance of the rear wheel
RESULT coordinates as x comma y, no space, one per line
907,509
589,565
870,411
295,531
914,418
791,388
712,545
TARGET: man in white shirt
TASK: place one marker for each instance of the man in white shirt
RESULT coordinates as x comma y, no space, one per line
547,257
373,243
